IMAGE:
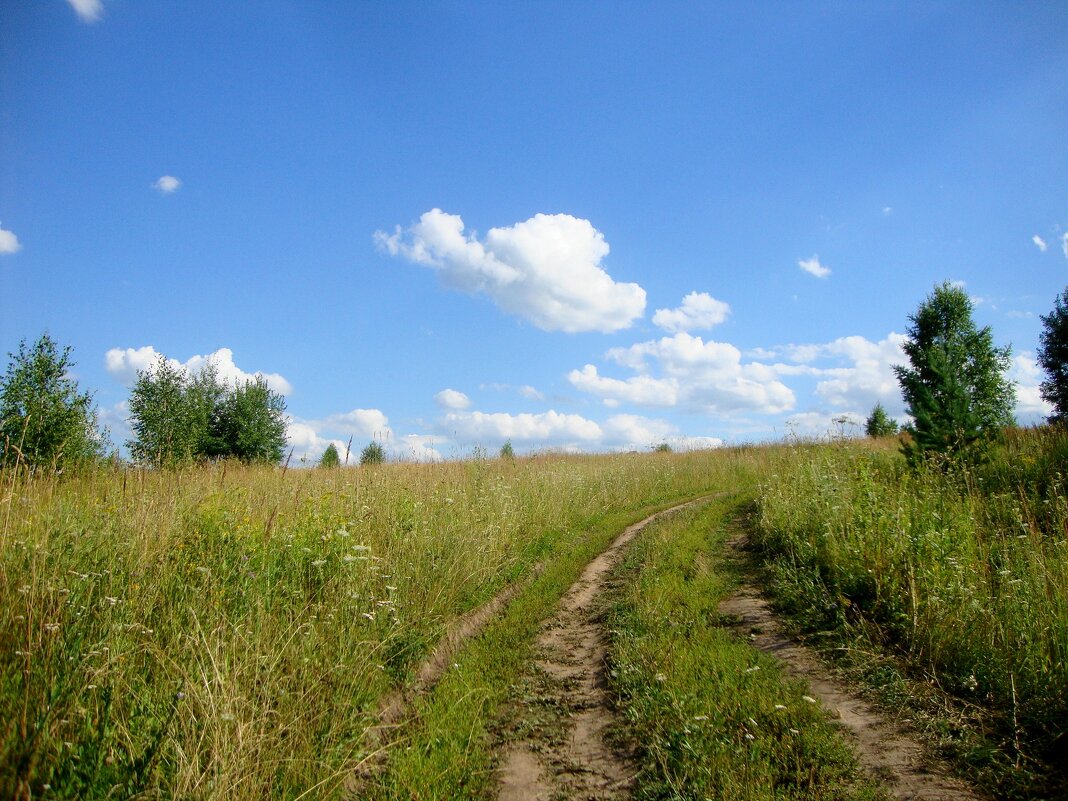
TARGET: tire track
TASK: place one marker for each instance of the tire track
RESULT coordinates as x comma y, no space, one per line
571,654
892,755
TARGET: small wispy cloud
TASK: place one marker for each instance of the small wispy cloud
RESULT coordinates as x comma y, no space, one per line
887,211
9,243
813,267
1064,245
88,10
1040,243
167,184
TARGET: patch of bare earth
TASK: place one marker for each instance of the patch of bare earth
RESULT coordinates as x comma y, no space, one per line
893,755
567,753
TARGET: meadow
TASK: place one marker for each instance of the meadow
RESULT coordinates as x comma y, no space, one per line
227,632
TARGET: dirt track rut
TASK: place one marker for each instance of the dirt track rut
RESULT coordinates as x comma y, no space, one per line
891,754
571,658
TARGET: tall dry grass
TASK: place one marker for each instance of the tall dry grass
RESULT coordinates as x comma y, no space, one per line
964,573
224,632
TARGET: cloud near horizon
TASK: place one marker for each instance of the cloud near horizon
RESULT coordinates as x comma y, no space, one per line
685,371
123,364
547,270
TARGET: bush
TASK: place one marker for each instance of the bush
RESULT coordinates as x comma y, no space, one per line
330,457
374,453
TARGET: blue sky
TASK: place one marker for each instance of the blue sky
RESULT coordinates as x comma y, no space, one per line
587,226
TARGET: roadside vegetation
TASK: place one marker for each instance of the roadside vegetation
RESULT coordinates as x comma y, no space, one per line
961,577
713,717
225,631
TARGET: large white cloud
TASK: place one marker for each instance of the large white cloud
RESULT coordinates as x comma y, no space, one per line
691,373
698,311
546,270
125,363
549,427
355,429
867,377
88,10
9,243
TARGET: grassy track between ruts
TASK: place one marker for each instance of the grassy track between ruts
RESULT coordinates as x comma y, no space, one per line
712,717
447,751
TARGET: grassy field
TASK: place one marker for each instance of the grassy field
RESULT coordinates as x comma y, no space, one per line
227,632
960,577
714,717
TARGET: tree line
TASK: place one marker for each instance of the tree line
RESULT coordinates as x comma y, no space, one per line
956,395
176,416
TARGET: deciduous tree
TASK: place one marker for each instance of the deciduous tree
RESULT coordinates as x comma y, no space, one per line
45,421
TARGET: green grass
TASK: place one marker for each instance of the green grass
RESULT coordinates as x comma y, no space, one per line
226,632
961,577
713,717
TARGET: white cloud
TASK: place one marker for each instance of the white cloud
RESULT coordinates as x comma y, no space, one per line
530,393
417,448
366,423
819,425
9,243
1040,243
88,10
887,211
309,438
699,310
701,376
546,428
124,365
1064,244
1031,407
641,390
167,184
546,270
452,399
813,267
632,432
859,376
